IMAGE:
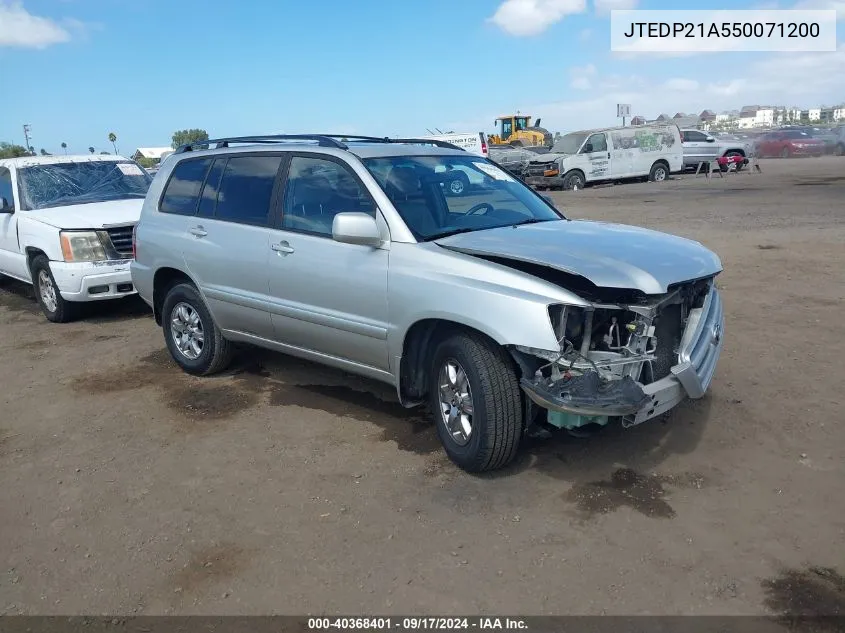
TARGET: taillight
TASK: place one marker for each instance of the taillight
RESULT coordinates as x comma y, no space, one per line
135,242
483,143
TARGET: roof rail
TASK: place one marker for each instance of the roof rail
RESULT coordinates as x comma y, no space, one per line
386,139
322,140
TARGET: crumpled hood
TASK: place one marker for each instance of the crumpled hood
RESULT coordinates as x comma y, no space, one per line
548,158
609,255
95,215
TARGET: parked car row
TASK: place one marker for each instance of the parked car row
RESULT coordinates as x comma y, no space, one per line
491,306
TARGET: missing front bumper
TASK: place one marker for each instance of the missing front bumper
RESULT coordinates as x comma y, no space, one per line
587,395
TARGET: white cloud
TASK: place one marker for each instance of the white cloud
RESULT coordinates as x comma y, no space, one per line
19,28
837,5
680,85
803,79
585,35
531,17
604,7
581,76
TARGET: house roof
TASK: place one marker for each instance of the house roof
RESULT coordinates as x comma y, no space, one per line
152,152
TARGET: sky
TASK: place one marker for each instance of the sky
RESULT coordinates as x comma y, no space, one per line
75,70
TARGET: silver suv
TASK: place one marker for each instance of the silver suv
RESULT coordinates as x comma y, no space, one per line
492,307
702,147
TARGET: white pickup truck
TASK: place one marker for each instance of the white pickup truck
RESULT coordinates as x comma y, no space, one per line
66,226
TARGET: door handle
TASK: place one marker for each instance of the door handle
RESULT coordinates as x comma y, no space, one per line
198,231
282,248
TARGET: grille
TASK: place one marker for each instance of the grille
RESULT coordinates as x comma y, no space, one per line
121,240
702,345
537,169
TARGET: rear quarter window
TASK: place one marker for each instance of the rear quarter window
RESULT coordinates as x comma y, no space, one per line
181,194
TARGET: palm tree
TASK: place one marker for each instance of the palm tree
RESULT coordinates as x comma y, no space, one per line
64,147
91,149
32,150
113,140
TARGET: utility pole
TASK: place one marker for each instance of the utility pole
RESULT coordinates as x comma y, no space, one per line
26,134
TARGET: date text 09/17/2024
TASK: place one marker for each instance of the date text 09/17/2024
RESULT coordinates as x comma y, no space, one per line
416,623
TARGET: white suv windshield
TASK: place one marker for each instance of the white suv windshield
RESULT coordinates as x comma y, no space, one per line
442,195
57,184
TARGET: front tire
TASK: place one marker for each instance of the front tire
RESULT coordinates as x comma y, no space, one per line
573,181
191,335
785,153
53,305
476,402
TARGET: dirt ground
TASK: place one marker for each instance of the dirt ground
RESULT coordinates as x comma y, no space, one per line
127,487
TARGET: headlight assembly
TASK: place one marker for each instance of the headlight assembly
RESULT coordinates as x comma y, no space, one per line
82,246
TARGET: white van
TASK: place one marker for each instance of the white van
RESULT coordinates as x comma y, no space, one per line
472,142
591,156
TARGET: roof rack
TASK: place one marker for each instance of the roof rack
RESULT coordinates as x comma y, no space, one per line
323,140
407,141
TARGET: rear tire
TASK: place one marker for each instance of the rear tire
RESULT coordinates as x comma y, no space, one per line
467,368
53,305
191,335
659,172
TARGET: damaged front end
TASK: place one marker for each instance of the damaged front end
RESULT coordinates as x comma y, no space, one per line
626,356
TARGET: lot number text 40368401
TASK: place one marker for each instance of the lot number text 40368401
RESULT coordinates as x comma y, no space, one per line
417,623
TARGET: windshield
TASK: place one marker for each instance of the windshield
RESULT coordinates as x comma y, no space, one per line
569,144
443,195
51,185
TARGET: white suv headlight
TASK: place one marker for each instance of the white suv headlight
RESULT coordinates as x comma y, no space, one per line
82,246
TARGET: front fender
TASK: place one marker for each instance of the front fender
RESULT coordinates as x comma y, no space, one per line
427,281
37,235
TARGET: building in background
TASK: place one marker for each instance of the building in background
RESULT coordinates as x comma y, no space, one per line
152,154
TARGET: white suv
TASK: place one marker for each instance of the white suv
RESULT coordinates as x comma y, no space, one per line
66,227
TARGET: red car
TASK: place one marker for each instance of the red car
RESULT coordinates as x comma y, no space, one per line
786,143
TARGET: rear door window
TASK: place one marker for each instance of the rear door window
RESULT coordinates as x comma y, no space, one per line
181,194
246,189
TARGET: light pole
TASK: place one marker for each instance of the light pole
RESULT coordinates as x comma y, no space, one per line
26,134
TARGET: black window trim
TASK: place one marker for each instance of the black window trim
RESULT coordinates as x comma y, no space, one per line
214,159
279,208
226,156
170,178
274,193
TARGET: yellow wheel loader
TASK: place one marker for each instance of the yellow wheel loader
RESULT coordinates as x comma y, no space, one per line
516,130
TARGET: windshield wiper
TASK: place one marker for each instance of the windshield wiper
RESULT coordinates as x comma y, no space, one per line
532,221
437,236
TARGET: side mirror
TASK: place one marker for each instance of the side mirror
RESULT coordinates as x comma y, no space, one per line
5,206
356,228
588,148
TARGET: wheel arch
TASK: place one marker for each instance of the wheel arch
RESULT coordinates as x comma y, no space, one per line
163,280
575,170
418,344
